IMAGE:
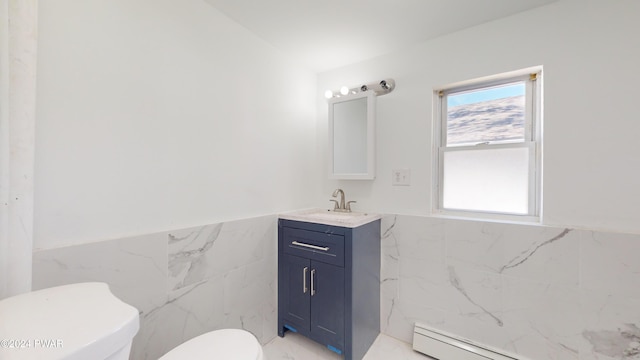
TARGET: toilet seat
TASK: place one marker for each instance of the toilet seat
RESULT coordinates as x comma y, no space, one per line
231,344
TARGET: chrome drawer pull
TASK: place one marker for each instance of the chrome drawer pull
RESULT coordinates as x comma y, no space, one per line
304,280
313,285
325,248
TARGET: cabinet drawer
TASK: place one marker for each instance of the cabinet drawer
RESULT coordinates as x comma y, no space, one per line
325,247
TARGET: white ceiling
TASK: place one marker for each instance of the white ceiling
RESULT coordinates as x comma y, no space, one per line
325,34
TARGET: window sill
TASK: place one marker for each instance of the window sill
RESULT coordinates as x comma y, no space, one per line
488,217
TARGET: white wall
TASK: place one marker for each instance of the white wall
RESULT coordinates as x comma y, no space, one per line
587,48
18,46
163,114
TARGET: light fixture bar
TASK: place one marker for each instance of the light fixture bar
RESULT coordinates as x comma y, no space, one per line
382,87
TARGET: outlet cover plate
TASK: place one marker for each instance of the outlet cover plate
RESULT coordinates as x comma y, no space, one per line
401,177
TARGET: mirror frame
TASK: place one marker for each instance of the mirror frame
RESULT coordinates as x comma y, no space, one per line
371,133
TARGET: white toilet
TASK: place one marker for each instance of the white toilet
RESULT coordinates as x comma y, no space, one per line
228,344
86,321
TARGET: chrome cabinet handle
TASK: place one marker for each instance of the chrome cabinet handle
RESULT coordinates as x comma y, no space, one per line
313,285
304,280
322,248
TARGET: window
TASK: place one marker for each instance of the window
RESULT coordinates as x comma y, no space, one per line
487,142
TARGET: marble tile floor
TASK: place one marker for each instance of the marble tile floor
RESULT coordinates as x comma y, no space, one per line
297,347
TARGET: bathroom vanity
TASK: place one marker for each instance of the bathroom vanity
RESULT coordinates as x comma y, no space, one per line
329,279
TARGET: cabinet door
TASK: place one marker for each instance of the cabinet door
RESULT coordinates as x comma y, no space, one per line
328,304
296,288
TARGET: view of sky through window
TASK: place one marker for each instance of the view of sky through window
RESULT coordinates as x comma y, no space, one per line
475,96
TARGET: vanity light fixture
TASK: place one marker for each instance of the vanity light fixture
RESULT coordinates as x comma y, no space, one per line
382,87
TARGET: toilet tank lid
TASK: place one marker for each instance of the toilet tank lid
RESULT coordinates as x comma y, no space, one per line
77,321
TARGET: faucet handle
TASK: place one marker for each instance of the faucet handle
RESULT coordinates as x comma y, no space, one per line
337,206
348,206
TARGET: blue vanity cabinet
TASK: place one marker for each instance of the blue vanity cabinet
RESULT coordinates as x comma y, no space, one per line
293,288
329,284
320,309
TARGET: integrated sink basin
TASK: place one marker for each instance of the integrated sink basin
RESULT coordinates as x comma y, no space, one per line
329,217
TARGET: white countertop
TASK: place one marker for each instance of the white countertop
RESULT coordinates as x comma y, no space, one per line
328,217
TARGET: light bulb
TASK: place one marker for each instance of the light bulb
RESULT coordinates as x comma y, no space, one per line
344,90
328,94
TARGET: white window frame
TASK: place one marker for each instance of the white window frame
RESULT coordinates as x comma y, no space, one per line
532,140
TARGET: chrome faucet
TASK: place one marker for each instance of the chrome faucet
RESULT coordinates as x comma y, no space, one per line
341,206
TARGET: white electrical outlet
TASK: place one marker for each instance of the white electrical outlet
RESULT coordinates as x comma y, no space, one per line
401,177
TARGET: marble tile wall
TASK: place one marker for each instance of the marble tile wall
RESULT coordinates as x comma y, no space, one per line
184,282
542,293
536,292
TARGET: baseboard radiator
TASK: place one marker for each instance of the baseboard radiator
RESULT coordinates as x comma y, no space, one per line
442,346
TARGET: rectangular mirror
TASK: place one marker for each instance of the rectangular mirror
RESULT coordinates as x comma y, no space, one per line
352,136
